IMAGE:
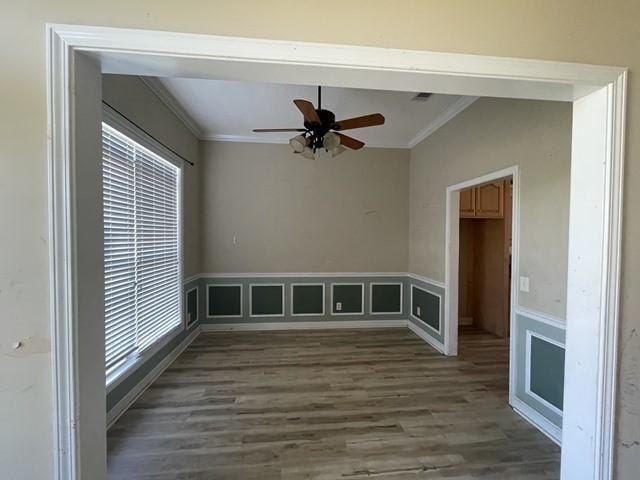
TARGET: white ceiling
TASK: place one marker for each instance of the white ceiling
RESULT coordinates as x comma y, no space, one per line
229,110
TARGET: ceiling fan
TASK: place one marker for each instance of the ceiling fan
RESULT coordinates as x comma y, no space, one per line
322,132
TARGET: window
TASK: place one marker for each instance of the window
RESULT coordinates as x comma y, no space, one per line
141,206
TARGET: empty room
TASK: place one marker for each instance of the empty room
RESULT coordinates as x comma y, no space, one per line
263,314
259,253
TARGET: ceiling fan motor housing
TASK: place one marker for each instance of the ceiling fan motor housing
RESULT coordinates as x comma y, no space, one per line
318,131
328,120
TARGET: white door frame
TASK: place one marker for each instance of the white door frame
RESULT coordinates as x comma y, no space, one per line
599,100
452,256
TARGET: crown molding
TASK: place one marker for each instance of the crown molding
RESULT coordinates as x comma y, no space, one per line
442,119
156,86
214,137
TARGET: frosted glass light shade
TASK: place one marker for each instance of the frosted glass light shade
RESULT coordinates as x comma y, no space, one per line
337,151
298,143
322,154
308,153
330,141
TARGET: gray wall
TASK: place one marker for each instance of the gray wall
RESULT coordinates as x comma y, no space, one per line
291,214
129,95
490,135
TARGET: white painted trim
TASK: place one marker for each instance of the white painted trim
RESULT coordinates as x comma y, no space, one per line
459,74
319,325
442,119
425,336
361,312
293,314
348,66
422,278
119,408
452,257
302,274
62,258
190,279
282,289
551,320
210,285
593,282
217,137
548,428
527,369
371,285
159,90
608,349
186,304
422,322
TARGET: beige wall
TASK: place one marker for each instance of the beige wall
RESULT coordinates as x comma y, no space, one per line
589,31
290,214
490,135
129,95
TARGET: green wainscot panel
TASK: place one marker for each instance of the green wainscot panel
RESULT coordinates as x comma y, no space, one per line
426,307
350,296
225,300
192,305
386,298
308,299
267,300
547,371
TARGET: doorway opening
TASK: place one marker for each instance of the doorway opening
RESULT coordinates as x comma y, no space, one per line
484,271
78,54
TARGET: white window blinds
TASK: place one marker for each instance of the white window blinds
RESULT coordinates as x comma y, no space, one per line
141,204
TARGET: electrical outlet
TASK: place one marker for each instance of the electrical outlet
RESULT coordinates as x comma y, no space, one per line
418,311
524,284
338,306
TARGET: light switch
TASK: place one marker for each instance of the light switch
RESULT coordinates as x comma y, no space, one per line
524,284
338,306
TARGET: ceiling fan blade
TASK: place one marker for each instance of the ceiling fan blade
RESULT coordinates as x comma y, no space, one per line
360,122
308,111
261,130
350,142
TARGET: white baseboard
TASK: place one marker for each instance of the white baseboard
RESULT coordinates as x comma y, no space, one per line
320,325
425,336
125,402
553,432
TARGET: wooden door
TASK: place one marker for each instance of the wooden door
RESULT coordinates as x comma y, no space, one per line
490,200
467,203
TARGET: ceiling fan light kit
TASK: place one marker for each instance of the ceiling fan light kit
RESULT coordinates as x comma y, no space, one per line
330,141
298,143
321,132
308,153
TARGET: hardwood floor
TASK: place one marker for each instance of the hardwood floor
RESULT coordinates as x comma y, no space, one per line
331,404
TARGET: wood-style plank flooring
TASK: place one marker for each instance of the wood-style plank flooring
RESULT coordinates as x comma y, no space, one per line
330,404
